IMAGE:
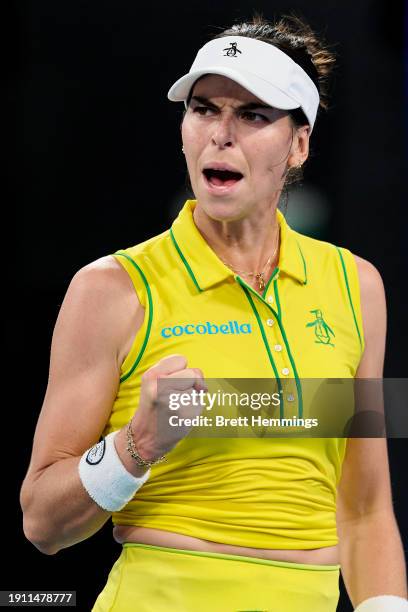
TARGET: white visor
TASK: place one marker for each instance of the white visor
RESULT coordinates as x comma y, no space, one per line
264,70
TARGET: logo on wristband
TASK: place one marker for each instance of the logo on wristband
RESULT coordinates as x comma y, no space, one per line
96,453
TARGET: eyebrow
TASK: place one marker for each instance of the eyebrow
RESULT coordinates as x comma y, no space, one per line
248,106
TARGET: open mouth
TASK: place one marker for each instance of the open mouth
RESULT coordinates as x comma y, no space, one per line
222,178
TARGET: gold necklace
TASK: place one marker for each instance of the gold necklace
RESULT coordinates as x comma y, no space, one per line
259,276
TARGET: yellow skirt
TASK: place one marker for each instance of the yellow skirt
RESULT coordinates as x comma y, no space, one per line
149,578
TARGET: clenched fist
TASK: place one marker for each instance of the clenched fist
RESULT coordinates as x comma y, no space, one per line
152,434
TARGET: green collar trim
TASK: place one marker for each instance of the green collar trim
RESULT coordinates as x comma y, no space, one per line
304,263
206,269
184,260
274,273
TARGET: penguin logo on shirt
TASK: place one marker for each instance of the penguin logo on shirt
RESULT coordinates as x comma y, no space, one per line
321,328
232,50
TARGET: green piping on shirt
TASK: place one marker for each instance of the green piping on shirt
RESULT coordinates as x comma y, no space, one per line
275,290
149,322
184,260
265,339
292,361
274,273
349,295
242,558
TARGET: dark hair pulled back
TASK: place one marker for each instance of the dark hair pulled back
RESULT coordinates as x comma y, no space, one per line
295,37
292,35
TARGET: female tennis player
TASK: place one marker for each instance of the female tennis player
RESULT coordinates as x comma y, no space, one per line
229,291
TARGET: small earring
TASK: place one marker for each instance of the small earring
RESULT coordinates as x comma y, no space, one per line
182,148
298,167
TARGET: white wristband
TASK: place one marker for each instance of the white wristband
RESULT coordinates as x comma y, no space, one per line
105,478
383,603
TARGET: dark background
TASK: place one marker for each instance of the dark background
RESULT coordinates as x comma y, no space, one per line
95,165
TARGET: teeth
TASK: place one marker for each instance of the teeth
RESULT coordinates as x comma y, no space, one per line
223,170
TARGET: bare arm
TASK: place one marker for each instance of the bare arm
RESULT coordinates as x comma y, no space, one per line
99,316
94,331
371,552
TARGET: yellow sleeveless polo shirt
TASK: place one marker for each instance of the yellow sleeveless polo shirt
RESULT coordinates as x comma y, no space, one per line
260,493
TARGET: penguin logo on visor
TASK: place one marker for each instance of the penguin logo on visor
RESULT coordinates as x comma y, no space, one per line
232,50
